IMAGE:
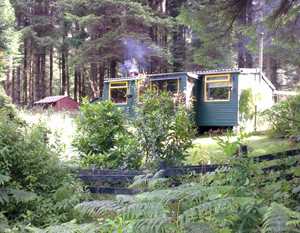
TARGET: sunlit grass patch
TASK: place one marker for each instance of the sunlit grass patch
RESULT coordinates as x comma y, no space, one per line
62,128
207,151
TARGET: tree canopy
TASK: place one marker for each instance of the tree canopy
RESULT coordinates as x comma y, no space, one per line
69,47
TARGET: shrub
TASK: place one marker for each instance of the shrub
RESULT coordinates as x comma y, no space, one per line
97,126
284,117
164,131
33,165
159,131
102,137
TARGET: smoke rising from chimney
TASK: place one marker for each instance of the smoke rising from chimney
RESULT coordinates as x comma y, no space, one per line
135,55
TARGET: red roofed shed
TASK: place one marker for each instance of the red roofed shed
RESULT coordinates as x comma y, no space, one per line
58,103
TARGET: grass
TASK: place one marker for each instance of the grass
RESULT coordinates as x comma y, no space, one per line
61,125
208,151
205,149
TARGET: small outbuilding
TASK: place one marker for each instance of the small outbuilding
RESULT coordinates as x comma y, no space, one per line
215,95
58,103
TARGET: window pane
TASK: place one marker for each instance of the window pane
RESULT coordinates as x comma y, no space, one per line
118,84
217,91
166,85
217,78
118,95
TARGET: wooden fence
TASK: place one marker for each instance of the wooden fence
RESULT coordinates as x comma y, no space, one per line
100,177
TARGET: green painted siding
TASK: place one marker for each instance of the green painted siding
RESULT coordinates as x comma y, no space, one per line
217,113
132,86
130,101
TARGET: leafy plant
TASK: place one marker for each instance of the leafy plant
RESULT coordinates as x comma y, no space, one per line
284,117
246,105
5,193
33,165
164,130
279,218
99,128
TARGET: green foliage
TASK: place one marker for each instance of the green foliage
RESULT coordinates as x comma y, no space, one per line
69,227
5,193
101,136
215,32
246,105
149,181
192,207
33,165
284,117
231,199
6,108
97,126
279,218
159,131
230,147
164,130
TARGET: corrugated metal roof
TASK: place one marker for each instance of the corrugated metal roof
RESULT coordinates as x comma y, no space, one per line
223,71
122,78
50,99
203,72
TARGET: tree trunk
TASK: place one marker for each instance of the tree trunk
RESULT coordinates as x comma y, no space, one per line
37,77
51,72
63,74
271,69
75,84
18,86
113,67
31,77
25,73
43,75
79,85
8,81
93,80
13,80
83,81
245,59
68,75
101,79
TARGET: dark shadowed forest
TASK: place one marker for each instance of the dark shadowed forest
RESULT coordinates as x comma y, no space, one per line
63,47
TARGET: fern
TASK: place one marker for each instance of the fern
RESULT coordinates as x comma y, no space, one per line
280,219
141,181
126,199
20,195
212,207
98,207
162,196
4,226
149,225
145,210
3,179
194,193
149,180
3,195
200,193
199,227
70,227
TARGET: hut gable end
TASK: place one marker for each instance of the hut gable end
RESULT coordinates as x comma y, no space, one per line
58,103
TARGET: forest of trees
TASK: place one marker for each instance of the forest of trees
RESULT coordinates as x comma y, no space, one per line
59,47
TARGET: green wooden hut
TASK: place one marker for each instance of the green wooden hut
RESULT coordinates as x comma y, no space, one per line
214,94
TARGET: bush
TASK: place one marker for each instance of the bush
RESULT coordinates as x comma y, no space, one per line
164,131
284,117
102,138
33,165
159,131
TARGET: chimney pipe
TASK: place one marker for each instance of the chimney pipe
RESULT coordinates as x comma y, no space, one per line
261,53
